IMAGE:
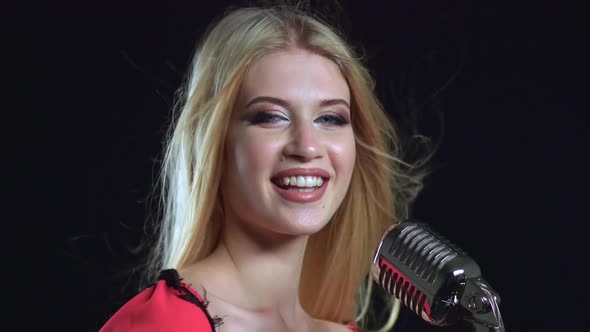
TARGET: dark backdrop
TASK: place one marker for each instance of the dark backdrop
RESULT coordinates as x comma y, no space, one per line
497,84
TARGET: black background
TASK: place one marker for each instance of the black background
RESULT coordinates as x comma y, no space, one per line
90,87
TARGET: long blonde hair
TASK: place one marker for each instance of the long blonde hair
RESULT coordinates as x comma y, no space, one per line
335,283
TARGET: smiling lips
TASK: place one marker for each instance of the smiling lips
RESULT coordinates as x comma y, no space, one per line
301,185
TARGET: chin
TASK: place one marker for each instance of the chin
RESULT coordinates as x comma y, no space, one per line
303,225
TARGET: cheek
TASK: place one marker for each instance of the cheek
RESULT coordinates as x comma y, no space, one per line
252,157
344,156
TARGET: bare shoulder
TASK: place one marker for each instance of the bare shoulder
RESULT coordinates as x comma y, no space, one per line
192,274
225,299
215,285
204,275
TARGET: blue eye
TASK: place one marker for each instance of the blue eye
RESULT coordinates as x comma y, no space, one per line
332,120
266,117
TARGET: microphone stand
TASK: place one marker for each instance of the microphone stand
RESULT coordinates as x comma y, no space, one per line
480,302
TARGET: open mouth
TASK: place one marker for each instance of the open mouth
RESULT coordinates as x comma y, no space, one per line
301,189
300,183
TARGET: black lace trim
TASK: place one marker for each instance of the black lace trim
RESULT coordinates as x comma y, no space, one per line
173,280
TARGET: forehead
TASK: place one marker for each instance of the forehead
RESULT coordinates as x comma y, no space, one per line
295,75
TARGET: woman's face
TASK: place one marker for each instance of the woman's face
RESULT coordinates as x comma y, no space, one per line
290,148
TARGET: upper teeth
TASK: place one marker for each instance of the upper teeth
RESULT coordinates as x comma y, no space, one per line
303,181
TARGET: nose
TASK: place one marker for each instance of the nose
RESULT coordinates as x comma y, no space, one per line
304,143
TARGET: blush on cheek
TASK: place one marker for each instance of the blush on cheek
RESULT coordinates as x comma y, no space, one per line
249,160
344,157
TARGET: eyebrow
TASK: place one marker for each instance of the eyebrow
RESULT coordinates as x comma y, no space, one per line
284,103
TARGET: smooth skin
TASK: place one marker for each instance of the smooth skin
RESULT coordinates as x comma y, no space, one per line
292,111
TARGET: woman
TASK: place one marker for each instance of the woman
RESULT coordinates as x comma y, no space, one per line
280,177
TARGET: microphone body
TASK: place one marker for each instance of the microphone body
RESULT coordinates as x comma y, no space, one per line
434,278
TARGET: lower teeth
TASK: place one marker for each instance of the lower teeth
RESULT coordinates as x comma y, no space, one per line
302,190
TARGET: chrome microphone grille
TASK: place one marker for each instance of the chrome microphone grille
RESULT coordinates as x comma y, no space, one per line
422,251
422,269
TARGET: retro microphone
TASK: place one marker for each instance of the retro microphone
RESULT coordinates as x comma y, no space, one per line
435,279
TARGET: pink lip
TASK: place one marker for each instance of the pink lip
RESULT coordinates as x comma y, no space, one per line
301,197
302,171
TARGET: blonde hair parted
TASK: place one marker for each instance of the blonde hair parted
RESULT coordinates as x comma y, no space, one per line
335,283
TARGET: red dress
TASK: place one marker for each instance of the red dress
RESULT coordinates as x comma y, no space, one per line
169,305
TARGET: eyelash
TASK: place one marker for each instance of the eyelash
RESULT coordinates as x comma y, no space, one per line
268,117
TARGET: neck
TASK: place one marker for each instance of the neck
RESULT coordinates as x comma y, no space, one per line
265,270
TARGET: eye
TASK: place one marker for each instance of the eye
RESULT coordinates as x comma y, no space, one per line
266,117
332,120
